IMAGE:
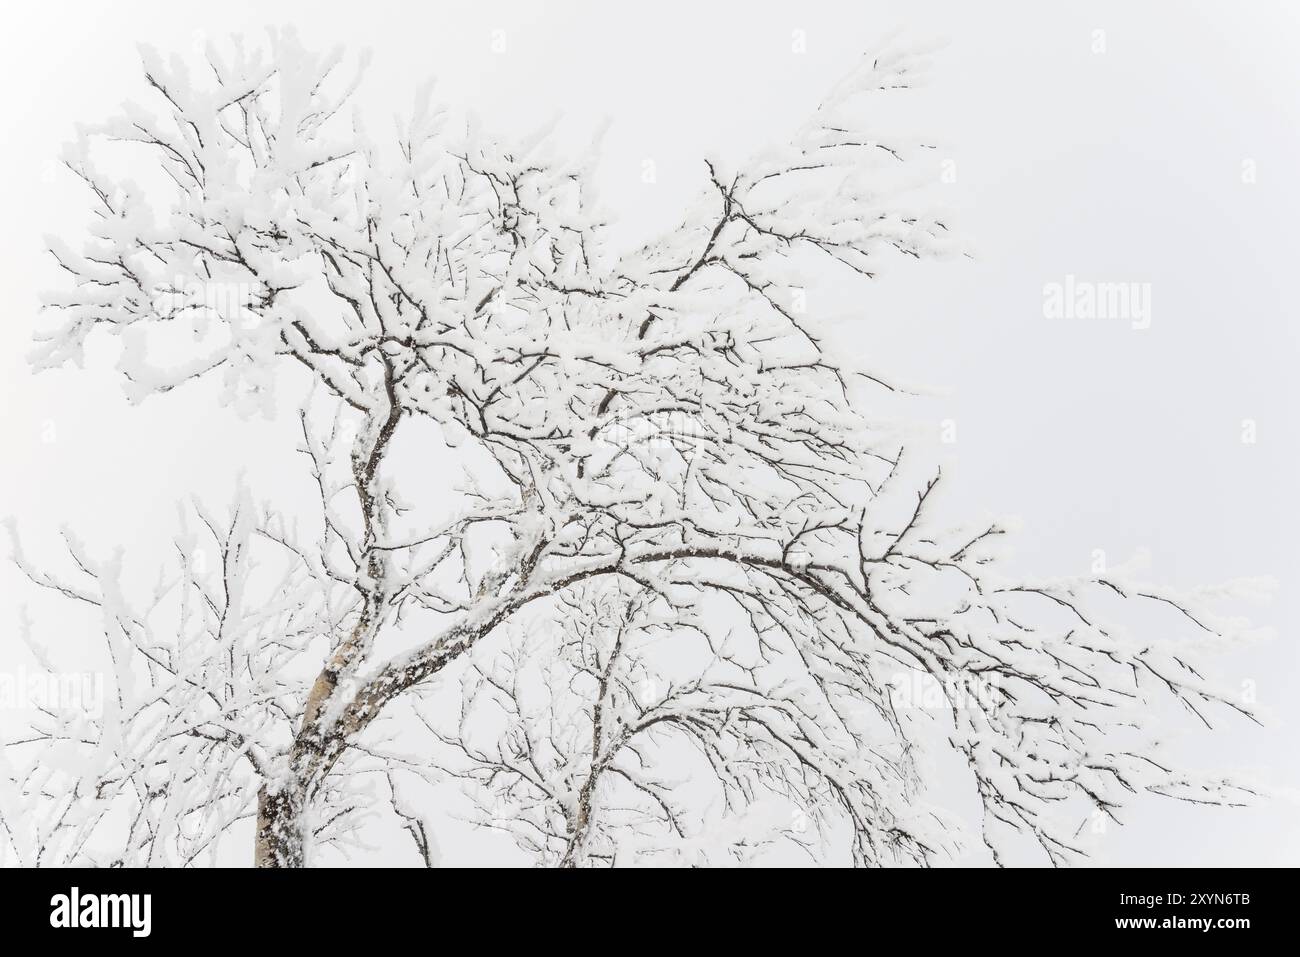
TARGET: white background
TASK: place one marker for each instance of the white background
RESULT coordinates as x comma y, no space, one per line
1120,166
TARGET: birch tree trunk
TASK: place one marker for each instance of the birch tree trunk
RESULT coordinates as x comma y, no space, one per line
280,838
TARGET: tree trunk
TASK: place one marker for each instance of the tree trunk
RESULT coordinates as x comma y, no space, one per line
579,826
280,841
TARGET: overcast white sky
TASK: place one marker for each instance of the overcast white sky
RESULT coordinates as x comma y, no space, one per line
1124,165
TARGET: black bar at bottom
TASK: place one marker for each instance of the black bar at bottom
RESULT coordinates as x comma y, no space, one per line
1226,907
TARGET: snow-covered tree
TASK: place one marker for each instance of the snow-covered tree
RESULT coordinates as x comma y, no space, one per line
741,573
